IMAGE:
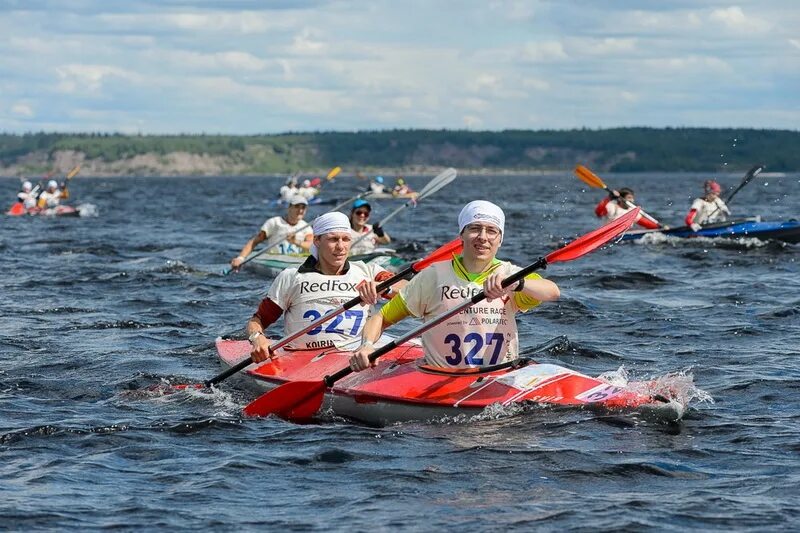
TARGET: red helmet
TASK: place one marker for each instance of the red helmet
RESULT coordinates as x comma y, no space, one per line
712,186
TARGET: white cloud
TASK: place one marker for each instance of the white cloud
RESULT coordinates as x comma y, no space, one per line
22,109
77,78
734,18
472,122
543,51
304,44
795,43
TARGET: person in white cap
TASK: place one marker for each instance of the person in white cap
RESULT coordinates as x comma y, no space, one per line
292,231
27,196
51,197
485,334
324,282
307,190
288,190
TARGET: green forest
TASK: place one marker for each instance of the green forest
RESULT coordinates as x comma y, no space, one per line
617,149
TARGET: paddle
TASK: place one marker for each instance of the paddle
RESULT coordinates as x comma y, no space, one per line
72,173
272,244
434,185
300,400
752,173
593,180
440,254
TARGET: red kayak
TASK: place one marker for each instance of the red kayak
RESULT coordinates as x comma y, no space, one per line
400,388
59,211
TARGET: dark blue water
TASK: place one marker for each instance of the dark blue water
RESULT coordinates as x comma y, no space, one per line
93,310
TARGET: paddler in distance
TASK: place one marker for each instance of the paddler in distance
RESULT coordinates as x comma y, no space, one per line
27,196
376,186
52,195
322,283
485,334
709,208
295,233
617,203
359,215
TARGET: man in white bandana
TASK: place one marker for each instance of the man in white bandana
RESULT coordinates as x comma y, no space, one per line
294,233
485,334
324,282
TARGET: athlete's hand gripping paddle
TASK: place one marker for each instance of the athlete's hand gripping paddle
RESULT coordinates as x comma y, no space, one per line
442,253
593,180
300,400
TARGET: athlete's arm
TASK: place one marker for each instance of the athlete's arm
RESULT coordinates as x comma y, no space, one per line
268,312
600,210
247,248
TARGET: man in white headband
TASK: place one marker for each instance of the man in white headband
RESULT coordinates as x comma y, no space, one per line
485,334
293,233
324,282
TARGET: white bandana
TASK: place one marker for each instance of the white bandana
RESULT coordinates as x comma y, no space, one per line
329,223
482,211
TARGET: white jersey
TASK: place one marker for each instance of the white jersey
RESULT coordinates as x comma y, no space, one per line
709,212
307,192
51,199
482,335
305,295
28,199
614,210
367,244
277,227
287,192
376,187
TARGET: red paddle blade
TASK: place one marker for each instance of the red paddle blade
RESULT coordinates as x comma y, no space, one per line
595,239
17,209
315,182
442,253
294,401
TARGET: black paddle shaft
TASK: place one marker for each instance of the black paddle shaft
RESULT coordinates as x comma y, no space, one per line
416,332
241,365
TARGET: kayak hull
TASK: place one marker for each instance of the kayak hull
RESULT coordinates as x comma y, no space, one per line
400,389
390,196
58,211
271,265
784,231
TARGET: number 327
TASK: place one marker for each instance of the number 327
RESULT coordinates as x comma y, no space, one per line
476,344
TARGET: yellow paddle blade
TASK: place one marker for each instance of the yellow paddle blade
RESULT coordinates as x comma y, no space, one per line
333,173
73,172
589,177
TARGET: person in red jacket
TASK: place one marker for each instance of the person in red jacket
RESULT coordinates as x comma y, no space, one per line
620,202
709,208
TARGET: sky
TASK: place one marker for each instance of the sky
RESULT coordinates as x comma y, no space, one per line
261,66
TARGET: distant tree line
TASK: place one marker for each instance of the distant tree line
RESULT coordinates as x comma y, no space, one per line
616,149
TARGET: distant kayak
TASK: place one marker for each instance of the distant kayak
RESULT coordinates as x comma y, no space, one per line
273,264
390,196
59,211
400,388
749,228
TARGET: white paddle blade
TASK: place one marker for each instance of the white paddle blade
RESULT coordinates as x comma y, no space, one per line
437,183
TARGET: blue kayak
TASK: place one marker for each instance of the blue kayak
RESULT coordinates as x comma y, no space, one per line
750,228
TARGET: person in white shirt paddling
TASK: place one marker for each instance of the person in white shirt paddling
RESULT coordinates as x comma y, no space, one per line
358,224
485,334
27,196
295,232
52,196
323,283
617,204
709,208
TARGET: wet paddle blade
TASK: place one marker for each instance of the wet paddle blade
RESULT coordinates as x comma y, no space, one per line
17,209
437,183
294,401
333,173
588,177
594,239
442,253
